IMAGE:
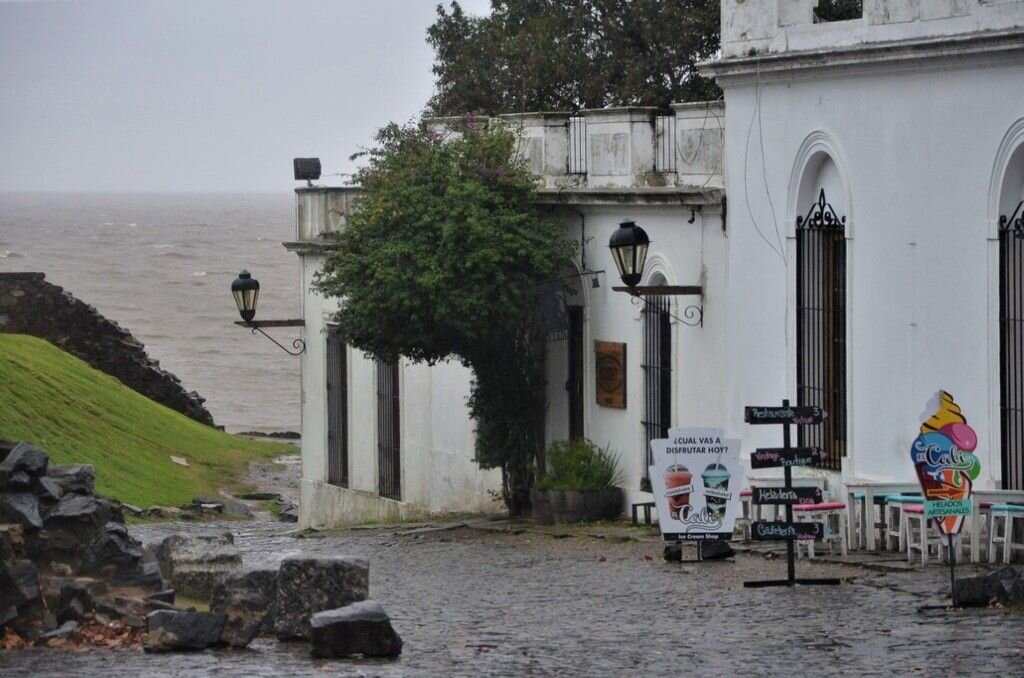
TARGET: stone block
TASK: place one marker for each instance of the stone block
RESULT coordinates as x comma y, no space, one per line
196,565
176,630
248,599
306,586
359,629
76,478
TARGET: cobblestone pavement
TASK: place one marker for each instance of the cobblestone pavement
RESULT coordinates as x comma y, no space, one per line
471,602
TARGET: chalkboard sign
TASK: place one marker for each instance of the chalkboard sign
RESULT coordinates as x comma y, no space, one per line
772,457
801,416
763,530
783,496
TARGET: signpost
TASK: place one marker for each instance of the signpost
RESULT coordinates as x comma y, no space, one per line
695,479
787,457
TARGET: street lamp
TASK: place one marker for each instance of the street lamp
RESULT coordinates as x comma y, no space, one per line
246,290
629,245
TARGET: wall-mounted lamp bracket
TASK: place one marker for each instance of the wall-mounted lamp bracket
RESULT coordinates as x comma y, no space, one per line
257,326
693,315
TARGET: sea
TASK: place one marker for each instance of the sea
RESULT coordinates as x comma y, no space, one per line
161,266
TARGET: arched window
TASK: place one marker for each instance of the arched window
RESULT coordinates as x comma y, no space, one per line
821,310
657,370
1011,322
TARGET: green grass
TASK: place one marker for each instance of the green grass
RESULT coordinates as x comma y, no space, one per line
80,415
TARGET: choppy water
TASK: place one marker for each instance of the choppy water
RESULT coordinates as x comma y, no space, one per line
161,266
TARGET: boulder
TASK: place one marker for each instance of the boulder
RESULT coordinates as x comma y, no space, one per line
75,524
19,584
359,629
74,478
194,566
248,599
996,586
306,586
48,491
114,551
289,512
63,631
716,550
21,508
75,601
176,630
25,462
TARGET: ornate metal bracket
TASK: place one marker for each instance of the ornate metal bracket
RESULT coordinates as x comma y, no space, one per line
693,315
821,215
256,326
1014,222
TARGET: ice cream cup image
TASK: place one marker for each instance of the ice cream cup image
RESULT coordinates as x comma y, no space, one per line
678,486
943,459
716,488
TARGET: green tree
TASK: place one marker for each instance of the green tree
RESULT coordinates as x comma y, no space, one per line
530,55
440,261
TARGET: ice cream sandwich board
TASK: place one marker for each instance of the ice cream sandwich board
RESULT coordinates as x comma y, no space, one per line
944,459
694,478
786,457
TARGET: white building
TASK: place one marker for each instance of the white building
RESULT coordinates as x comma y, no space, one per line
910,121
382,442
906,126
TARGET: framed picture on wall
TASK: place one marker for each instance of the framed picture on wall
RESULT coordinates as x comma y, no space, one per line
610,362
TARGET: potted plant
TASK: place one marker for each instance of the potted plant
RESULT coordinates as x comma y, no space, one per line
579,482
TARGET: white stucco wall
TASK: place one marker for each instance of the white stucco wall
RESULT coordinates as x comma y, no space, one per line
914,148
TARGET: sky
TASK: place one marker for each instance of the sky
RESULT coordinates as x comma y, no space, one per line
203,95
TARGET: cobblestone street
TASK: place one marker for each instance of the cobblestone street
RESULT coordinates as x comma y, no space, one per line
475,602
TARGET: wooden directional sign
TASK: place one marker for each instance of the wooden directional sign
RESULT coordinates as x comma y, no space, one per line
763,530
782,496
772,457
774,414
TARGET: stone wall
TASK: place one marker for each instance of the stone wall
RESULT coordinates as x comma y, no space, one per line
30,305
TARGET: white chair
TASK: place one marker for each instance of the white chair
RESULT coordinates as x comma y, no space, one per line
832,515
894,532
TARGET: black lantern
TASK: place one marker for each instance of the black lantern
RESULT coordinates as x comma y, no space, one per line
629,249
246,291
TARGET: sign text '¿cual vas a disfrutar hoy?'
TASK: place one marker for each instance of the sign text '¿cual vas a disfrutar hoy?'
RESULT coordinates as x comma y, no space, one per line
696,480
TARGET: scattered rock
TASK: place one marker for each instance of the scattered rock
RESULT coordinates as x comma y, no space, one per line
248,599
165,596
75,478
259,496
1005,585
716,550
23,464
75,601
289,511
21,508
180,461
19,584
236,508
63,631
359,629
674,553
115,551
196,565
306,586
170,630
134,510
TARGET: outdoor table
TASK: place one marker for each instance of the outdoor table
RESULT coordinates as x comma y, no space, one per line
994,497
870,488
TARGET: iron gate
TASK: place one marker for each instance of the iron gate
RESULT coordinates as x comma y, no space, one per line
821,326
337,411
1011,347
657,371
389,453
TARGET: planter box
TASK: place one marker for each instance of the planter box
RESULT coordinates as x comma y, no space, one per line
573,506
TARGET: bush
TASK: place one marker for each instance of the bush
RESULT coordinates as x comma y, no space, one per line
579,465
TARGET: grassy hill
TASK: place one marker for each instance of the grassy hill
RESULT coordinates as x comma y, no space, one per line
80,415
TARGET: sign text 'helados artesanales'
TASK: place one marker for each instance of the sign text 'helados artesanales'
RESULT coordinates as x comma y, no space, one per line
773,457
781,496
802,415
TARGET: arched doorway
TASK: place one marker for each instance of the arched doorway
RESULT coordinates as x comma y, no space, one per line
1011,322
821,308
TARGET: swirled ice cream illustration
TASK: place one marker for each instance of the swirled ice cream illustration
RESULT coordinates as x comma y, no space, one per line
946,466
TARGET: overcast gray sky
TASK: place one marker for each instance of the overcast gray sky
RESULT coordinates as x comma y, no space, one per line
202,95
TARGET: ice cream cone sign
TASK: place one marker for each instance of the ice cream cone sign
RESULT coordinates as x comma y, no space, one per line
946,466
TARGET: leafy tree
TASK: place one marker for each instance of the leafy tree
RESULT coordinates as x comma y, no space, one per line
530,55
440,261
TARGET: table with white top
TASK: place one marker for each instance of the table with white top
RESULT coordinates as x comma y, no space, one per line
870,488
994,497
